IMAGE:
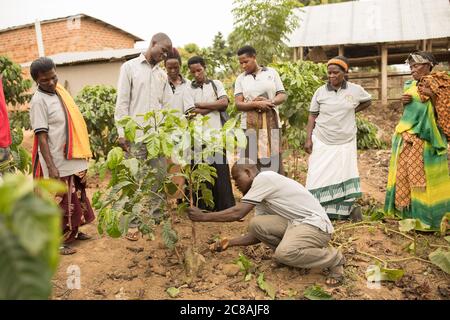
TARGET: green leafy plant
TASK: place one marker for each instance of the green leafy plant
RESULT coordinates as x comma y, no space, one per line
264,24
97,104
367,135
441,258
16,90
301,79
265,286
165,134
245,265
173,292
316,292
20,159
407,225
30,234
379,273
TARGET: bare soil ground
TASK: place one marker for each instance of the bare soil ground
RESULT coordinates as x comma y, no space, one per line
120,269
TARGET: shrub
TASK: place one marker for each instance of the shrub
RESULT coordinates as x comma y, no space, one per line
97,104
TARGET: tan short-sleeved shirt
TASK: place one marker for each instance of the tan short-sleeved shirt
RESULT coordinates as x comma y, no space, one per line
266,82
273,193
205,93
141,88
47,115
336,122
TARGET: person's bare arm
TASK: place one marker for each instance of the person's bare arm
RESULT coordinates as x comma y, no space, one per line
362,106
406,98
257,104
218,105
45,151
244,240
279,98
235,213
309,129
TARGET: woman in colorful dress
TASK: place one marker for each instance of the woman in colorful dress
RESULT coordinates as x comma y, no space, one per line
418,183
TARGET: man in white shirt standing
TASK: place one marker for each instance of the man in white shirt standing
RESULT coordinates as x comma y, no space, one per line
288,218
143,86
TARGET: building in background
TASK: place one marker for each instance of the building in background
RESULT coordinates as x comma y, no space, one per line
79,33
373,35
86,50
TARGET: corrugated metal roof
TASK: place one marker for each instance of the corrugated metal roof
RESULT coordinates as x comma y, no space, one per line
69,18
91,56
371,22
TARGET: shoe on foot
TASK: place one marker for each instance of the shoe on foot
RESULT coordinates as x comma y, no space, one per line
83,236
336,274
66,250
132,235
356,214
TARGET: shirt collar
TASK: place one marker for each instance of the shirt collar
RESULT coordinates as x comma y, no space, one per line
142,59
263,68
46,92
343,85
195,85
183,81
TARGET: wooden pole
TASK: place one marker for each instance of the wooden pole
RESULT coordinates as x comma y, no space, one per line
384,77
300,49
424,45
295,54
341,50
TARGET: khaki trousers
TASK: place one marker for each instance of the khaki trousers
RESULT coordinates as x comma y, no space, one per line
302,245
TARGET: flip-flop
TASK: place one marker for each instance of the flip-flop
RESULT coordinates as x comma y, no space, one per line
335,279
132,236
82,236
65,250
220,245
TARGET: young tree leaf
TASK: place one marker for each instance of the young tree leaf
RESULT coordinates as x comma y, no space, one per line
115,157
266,286
378,273
407,225
316,292
173,292
441,258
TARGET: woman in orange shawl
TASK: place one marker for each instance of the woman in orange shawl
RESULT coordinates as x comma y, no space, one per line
61,148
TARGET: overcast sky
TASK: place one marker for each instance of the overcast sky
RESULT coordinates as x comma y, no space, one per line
185,21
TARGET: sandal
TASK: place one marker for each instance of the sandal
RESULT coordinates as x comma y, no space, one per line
336,275
220,245
132,236
83,236
65,250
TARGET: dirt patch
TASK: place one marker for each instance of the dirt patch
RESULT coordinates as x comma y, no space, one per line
120,269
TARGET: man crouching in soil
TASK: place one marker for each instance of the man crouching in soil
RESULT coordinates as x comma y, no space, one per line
288,219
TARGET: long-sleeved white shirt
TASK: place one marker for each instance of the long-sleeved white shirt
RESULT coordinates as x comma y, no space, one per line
141,88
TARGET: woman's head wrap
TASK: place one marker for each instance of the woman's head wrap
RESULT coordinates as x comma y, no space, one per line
340,61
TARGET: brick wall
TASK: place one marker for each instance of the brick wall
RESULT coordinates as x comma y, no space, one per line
62,36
